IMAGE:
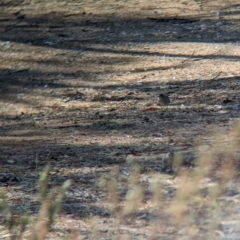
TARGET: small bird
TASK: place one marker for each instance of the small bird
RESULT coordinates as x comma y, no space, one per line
163,100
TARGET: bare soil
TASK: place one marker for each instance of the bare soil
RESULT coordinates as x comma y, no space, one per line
79,88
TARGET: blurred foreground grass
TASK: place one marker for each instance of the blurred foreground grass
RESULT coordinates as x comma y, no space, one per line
194,206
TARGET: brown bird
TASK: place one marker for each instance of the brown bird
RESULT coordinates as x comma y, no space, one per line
163,100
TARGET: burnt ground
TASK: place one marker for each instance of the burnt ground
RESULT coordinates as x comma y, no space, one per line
79,89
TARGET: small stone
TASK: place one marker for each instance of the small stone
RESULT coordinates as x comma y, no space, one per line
10,161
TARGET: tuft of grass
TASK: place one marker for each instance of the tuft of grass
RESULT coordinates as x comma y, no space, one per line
13,222
195,206
18,223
